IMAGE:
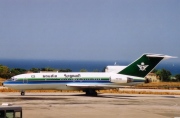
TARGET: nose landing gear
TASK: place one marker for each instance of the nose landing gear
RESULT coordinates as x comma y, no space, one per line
22,93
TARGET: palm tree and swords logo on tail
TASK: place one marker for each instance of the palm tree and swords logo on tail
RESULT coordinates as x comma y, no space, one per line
142,67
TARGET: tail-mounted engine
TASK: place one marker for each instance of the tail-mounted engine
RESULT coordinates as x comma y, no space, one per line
121,79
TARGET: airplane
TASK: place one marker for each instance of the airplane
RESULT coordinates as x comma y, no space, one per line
89,82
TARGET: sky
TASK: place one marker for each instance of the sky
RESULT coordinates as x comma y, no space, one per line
88,29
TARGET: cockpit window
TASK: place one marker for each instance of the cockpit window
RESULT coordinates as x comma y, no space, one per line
13,79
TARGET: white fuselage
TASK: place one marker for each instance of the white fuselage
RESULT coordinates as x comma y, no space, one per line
70,81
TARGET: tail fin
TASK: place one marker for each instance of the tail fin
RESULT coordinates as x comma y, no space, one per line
145,64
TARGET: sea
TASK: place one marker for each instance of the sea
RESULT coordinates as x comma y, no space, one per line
76,66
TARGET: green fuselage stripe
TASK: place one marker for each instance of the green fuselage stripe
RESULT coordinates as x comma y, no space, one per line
60,79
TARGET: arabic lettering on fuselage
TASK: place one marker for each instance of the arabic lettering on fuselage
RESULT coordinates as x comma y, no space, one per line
70,76
49,76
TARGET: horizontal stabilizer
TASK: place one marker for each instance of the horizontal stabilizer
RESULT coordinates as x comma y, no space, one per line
160,55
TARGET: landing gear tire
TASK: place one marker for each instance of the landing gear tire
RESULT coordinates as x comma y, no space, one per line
95,93
91,92
22,93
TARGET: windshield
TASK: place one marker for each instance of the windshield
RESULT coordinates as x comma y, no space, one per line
12,79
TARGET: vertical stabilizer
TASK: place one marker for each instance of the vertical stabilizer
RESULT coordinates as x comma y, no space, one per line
143,65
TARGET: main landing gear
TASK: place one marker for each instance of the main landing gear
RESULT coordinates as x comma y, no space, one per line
22,93
90,92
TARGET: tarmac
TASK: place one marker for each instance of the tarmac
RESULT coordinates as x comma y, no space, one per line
152,90
77,105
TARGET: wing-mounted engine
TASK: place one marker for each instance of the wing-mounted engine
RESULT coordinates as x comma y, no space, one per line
121,79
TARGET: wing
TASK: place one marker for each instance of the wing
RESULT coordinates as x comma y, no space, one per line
94,86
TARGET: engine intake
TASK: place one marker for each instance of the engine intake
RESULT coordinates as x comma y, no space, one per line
129,80
120,79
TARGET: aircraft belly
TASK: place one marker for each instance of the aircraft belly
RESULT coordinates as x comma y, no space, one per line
41,87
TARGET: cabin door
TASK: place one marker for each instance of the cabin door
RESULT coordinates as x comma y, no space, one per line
25,80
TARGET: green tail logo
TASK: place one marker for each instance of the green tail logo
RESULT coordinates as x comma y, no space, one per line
145,64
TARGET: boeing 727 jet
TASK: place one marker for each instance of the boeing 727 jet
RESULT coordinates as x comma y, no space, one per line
89,82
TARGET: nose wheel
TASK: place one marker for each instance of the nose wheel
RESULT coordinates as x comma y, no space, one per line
22,93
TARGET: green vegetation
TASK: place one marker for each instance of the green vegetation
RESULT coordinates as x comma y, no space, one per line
34,70
164,75
7,73
177,77
83,70
65,70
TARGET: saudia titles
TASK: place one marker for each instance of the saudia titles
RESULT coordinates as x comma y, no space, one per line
49,76
70,76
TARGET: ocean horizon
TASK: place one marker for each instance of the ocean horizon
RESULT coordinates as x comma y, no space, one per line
76,65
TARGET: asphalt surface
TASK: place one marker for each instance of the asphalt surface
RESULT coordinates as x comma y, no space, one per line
76,105
151,90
